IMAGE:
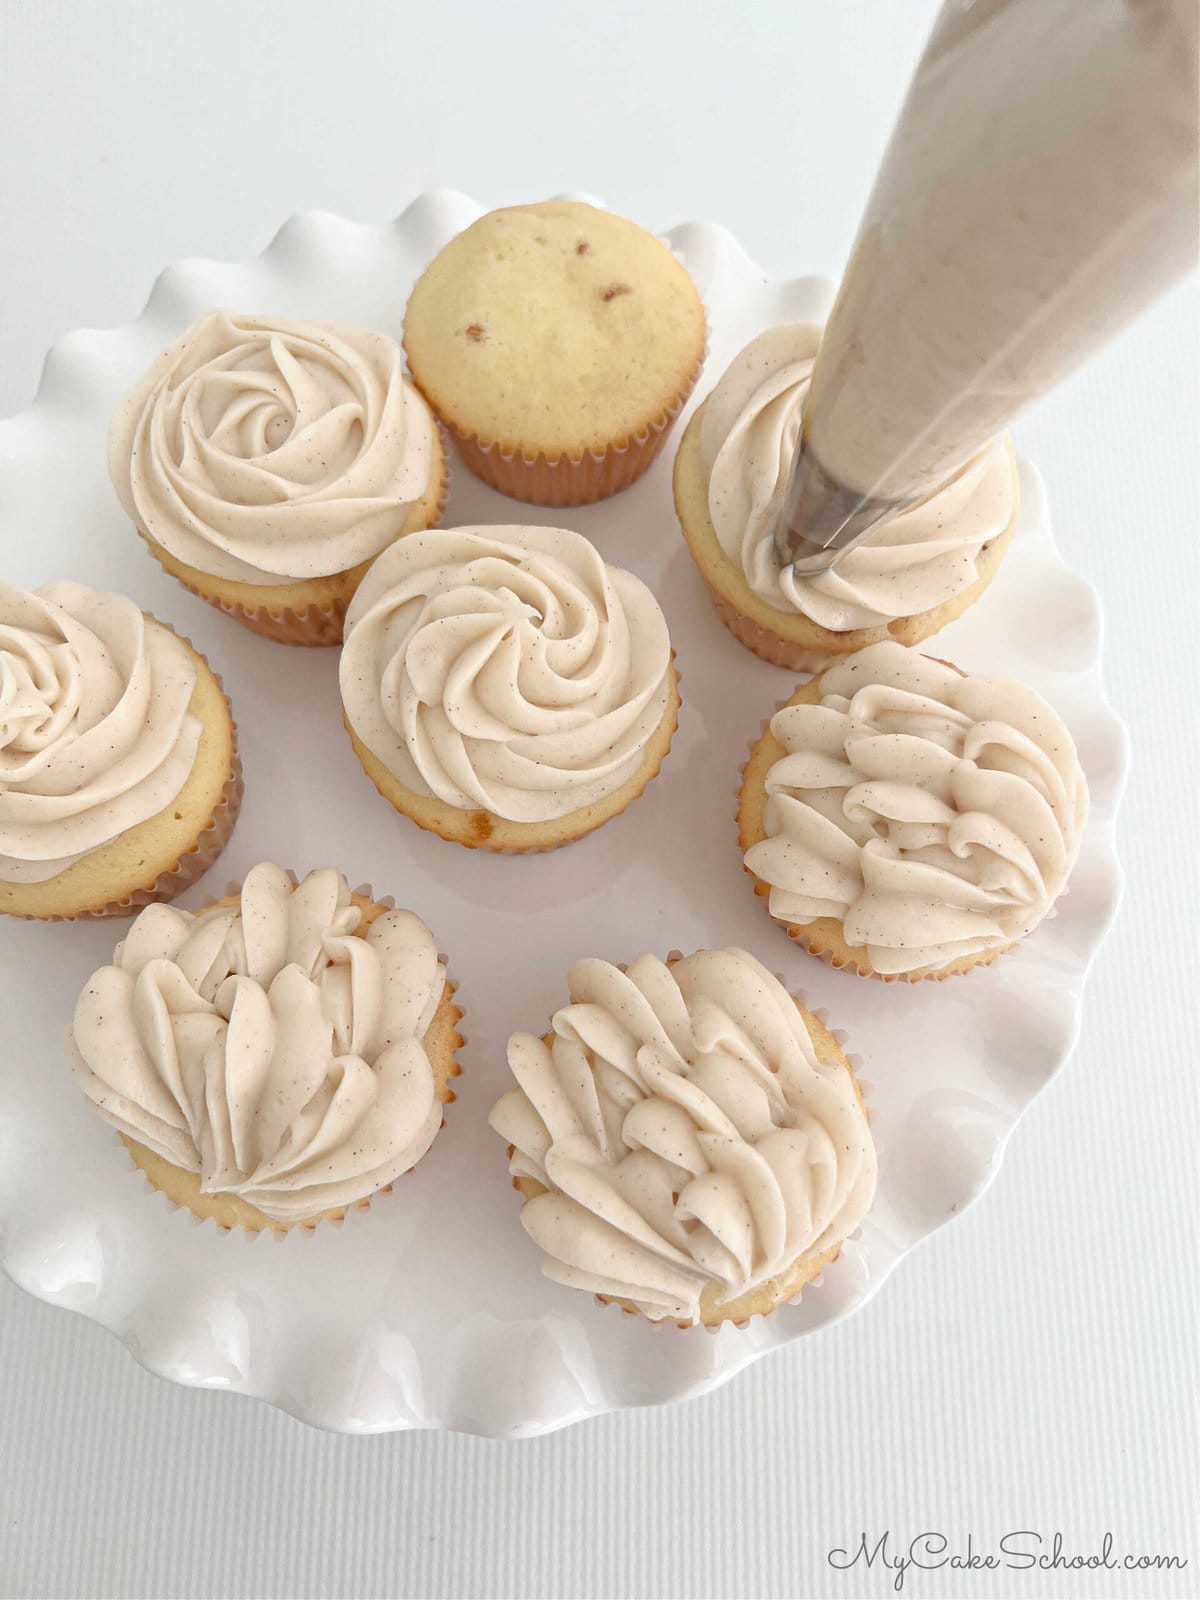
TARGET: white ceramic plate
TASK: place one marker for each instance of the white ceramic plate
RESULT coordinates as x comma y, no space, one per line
429,1310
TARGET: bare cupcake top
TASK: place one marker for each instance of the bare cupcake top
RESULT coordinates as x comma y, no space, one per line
554,329
267,451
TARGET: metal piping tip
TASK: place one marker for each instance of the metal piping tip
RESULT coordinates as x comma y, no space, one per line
822,519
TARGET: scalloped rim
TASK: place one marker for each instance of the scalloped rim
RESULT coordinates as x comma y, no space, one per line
705,246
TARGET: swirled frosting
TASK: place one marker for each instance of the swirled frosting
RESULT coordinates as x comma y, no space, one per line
508,668
95,732
685,1132
267,1046
269,451
919,559
934,815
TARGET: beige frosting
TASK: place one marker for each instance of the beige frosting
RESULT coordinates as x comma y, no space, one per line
685,1131
934,815
269,451
508,668
95,733
924,556
265,1046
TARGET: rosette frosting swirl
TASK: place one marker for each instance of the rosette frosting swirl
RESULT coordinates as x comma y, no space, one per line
269,451
265,1045
934,815
95,732
919,559
507,668
685,1132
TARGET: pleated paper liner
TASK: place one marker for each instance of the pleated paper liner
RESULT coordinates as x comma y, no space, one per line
229,1212
766,644
191,864
480,830
312,625
823,937
804,1273
567,481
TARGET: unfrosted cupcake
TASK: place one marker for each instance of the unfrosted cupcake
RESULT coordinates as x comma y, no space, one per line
558,343
505,687
266,463
119,774
689,1141
906,820
908,578
276,1059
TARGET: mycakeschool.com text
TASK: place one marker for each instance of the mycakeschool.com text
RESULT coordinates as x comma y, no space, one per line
1022,1550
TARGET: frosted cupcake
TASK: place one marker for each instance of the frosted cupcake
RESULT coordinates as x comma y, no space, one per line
266,463
277,1059
119,774
906,820
908,578
505,687
689,1141
558,344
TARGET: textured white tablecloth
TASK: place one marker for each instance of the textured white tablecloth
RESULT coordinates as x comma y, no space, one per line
1034,1366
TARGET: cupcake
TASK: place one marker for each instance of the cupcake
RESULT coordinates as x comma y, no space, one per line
119,774
689,1141
907,820
277,1059
558,344
505,687
266,463
909,577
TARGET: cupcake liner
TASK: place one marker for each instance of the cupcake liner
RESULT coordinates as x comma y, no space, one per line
802,934
485,841
313,625
193,863
854,1062
248,1228
770,646
567,481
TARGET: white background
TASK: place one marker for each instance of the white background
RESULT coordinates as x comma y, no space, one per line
1033,1367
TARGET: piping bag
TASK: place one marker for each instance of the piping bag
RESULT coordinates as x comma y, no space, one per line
1039,191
